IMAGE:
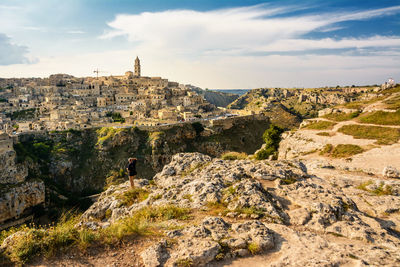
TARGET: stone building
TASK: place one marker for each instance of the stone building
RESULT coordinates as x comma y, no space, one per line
137,67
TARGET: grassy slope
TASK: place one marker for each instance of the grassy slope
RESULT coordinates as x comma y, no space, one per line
383,135
381,118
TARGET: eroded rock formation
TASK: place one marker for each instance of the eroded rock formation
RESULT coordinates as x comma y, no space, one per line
17,195
274,207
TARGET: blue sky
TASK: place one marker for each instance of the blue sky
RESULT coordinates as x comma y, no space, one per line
214,44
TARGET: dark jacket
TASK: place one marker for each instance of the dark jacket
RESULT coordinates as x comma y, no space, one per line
132,168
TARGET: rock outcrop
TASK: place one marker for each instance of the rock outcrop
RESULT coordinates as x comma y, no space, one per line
246,207
17,195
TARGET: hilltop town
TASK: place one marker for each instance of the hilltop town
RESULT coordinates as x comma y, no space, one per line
62,102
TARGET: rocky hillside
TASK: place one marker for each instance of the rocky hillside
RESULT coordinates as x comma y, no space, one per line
219,99
202,211
359,136
303,102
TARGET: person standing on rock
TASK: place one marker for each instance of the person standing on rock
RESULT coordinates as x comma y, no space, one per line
131,168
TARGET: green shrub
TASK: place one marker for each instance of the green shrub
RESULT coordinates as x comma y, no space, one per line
265,153
234,156
272,137
320,125
116,116
383,135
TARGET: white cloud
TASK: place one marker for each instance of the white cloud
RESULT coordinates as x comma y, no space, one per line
214,49
363,15
329,43
9,7
225,71
239,30
11,53
75,32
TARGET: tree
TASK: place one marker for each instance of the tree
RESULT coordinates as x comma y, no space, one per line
272,138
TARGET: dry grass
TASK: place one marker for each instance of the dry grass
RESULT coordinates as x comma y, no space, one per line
381,190
381,118
383,135
320,125
143,222
341,116
325,134
31,241
346,150
393,103
363,103
216,208
234,156
341,150
326,149
133,195
254,248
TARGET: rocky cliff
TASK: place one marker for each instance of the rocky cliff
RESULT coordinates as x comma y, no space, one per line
219,99
304,102
82,161
17,194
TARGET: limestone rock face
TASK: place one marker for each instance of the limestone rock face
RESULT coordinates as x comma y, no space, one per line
16,199
11,173
16,194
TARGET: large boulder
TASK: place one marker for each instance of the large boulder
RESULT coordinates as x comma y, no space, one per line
391,172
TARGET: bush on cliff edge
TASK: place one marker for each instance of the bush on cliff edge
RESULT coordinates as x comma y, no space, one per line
272,137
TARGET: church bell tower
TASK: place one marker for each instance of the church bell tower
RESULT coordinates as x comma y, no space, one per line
137,67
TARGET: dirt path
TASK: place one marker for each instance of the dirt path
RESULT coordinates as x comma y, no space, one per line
124,254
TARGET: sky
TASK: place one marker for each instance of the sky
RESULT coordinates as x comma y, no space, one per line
207,43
